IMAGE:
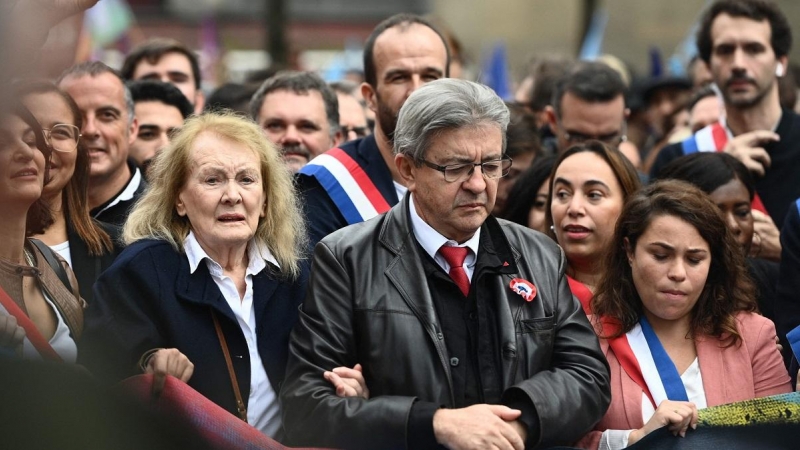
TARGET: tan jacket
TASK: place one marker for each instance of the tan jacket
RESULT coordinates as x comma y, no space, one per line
68,302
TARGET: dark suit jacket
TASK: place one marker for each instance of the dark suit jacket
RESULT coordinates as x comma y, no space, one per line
87,268
322,215
148,299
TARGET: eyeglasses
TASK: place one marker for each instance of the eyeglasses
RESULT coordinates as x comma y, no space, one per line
612,139
63,137
496,168
359,131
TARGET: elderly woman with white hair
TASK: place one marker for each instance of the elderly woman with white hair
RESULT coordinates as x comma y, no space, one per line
209,286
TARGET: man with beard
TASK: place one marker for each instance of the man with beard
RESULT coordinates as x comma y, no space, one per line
300,113
359,180
745,44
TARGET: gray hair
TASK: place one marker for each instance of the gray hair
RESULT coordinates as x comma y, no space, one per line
299,83
446,104
95,69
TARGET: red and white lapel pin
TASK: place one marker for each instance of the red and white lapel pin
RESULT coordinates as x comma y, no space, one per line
524,288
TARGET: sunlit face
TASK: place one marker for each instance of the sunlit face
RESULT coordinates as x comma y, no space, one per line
298,124
583,120
22,165
107,129
587,200
404,59
157,122
742,61
173,68
669,267
50,109
537,219
733,200
456,210
223,196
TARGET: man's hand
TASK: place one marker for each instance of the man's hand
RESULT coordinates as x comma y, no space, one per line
478,427
348,382
58,10
747,149
168,361
766,238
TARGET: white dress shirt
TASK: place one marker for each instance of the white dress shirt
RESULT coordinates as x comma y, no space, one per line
431,240
263,409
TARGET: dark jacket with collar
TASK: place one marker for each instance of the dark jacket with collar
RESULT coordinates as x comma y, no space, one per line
117,215
148,299
87,267
369,302
322,214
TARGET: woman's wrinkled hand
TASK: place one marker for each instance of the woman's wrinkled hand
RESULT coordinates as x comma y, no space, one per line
168,361
348,382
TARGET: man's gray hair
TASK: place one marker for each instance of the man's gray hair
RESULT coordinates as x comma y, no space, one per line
446,104
299,83
95,69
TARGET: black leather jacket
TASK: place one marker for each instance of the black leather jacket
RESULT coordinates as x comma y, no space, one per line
368,302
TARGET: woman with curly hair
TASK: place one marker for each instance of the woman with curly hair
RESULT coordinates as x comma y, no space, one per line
675,314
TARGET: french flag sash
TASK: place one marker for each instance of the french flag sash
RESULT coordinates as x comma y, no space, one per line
713,138
659,372
625,355
351,190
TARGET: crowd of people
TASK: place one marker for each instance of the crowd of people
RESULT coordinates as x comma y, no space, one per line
408,261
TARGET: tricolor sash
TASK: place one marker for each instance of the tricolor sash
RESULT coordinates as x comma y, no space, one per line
353,193
625,355
713,138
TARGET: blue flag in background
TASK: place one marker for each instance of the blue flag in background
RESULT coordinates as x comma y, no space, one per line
592,46
495,71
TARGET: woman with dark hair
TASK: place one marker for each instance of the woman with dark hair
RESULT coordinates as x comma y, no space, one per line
589,184
675,314
731,187
528,198
45,306
84,243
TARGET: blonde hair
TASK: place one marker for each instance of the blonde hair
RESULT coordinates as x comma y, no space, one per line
282,229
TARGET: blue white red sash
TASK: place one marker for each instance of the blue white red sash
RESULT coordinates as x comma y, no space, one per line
354,194
713,138
627,360
709,139
658,370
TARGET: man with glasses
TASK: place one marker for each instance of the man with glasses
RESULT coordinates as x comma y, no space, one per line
589,103
460,328
352,112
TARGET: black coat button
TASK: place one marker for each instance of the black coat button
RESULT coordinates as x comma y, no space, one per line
454,362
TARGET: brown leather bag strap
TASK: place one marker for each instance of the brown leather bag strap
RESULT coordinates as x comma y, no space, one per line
240,408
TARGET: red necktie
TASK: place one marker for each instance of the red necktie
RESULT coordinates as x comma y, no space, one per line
455,257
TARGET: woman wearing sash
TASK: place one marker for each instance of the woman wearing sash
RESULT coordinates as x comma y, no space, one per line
676,315
588,186
40,317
